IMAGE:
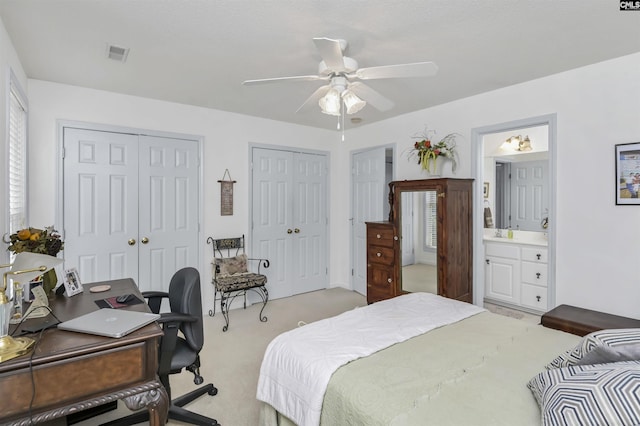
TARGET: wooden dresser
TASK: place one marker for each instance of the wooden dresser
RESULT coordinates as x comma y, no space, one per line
382,243
453,257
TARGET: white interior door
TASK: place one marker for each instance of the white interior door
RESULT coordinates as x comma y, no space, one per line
100,204
408,231
529,199
367,202
168,209
288,194
310,222
130,206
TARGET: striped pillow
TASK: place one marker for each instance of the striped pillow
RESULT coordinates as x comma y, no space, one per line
600,394
611,338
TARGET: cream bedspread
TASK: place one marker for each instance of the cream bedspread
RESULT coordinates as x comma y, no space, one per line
298,364
473,372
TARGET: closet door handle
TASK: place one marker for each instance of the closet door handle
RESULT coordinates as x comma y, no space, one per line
289,231
131,242
144,240
297,231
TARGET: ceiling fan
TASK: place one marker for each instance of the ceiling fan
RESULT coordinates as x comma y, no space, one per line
342,74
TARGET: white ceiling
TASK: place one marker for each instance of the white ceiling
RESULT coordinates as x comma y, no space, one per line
198,52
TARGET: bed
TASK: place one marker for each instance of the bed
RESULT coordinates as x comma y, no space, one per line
482,369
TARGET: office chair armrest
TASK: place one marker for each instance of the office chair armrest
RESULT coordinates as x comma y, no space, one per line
261,262
154,299
173,317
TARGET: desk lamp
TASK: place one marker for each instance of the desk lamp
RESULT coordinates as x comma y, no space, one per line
27,266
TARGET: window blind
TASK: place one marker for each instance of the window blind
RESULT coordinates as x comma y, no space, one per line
17,159
430,220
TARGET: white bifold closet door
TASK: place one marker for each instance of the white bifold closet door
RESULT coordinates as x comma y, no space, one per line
130,206
290,219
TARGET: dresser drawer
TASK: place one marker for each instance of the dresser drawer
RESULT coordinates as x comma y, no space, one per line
380,235
533,296
534,254
534,273
381,255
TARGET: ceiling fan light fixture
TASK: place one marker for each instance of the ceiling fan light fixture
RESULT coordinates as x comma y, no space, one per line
330,103
352,102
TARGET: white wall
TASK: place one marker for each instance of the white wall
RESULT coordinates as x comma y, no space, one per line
226,140
8,61
598,243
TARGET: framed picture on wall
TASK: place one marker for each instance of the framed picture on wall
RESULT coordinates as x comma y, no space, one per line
628,173
485,190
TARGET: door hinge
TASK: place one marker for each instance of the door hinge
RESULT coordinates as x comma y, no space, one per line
351,271
64,152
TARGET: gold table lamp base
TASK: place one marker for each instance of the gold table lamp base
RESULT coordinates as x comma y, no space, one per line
12,347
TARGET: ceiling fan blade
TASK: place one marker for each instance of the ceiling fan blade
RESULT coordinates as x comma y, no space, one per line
314,98
281,79
372,97
417,69
331,52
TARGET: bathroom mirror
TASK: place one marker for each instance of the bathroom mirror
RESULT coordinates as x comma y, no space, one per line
518,180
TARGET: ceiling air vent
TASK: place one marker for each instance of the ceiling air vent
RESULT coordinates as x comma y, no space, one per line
117,53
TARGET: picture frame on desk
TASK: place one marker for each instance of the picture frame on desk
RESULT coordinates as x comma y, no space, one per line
628,174
72,284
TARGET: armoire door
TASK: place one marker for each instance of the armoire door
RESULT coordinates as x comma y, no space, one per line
130,206
290,219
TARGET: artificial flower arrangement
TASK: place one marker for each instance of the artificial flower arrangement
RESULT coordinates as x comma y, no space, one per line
44,241
427,151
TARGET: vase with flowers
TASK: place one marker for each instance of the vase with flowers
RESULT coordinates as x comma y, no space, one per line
427,150
44,241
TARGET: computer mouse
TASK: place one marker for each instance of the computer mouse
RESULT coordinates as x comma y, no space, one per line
123,299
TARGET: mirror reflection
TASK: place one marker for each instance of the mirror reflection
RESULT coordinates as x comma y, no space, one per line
516,185
418,248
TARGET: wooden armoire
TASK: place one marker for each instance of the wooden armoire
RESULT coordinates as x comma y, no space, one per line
453,253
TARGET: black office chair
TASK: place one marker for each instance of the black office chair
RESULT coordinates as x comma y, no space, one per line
178,352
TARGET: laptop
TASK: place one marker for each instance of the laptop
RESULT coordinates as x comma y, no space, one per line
109,322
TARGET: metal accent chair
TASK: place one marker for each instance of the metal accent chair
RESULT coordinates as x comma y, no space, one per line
178,352
231,278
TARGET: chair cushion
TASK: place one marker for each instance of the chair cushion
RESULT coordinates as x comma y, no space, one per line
236,282
232,265
183,356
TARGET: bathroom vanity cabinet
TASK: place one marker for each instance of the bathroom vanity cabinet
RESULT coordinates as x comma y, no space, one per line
516,274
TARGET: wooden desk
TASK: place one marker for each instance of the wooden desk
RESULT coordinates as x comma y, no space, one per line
75,371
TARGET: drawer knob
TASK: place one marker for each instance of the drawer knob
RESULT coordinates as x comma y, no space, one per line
378,254
538,297
538,275
395,238
378,236
538,256
389,280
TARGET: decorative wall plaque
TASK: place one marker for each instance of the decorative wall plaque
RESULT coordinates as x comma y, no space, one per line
226,194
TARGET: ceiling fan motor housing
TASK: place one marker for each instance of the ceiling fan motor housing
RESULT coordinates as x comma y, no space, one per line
350,65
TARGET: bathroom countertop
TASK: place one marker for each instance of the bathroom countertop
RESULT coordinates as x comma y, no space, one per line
519,237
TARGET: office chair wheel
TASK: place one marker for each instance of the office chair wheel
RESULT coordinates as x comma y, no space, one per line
198,380
214,391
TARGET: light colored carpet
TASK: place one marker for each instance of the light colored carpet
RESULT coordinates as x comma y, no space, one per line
231,360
